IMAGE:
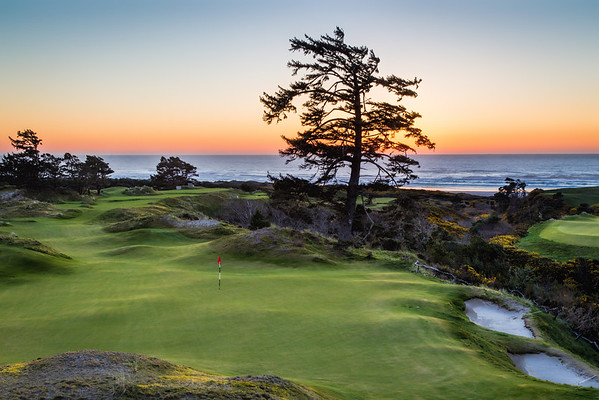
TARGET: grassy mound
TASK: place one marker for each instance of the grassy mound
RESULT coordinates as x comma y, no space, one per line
207,203
565,239
140,191
20,257
281,243
154,221
30,244
16,262
111,375
26,208
155,216
121,214
212,233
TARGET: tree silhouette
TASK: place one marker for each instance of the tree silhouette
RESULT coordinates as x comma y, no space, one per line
72,170
172,172
345,127
96,171
510,194
24,166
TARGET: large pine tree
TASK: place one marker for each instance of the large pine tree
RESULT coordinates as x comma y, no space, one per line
345,127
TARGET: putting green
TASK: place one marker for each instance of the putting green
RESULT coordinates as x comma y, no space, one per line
355,329
577,230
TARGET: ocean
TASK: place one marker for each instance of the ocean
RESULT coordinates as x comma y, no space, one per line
472,173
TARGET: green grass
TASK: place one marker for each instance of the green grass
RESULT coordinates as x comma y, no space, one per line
378,203
576,196
355,329
565,239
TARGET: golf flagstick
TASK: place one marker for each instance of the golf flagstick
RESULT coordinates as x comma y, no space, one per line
219,265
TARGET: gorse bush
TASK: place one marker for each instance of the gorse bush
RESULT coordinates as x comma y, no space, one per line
572,287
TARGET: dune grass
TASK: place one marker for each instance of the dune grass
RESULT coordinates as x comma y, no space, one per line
565,239
356,329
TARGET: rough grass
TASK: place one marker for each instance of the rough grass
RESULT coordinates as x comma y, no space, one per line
577,196
26,208
352,329
289,246
565,239
112,375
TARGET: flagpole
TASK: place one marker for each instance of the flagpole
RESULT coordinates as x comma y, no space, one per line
219,272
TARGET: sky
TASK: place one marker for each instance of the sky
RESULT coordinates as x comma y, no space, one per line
184,77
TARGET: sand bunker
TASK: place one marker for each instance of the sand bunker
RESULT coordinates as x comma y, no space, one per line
491,316
541,366
554,369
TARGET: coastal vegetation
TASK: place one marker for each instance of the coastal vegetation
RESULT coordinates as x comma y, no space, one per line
38,172
172,172
109,375
131,269
135,271
346,128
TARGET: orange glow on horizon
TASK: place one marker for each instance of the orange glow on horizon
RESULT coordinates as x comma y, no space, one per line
184,132
261,139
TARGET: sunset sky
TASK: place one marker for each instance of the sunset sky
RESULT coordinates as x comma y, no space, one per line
184,77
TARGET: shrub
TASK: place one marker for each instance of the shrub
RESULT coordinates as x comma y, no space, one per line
248,187
139,191
258,221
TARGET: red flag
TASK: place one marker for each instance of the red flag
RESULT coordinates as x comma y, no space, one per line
218,261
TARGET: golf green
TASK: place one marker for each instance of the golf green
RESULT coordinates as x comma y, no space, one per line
578,230
564,239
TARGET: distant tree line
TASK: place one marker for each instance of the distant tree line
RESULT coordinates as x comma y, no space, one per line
29,168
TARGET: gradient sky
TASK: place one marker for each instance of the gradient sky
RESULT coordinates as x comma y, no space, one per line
184,77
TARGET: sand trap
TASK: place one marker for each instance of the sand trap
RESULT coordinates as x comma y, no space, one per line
553,369
491,316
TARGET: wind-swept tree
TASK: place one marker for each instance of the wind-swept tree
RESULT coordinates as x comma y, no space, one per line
24,166
511,194
96,171
172,172
73,174
345,127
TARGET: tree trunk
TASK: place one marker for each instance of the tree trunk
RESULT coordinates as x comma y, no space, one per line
350,203
354,178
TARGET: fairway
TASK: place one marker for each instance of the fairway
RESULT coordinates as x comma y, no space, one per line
573,236
353,329
576,196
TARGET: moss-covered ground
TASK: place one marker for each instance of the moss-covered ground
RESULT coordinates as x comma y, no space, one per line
362,328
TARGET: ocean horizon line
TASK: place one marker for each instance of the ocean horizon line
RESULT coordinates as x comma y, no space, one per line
448,172
275,154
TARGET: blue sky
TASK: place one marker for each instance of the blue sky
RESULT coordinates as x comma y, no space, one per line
147,75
